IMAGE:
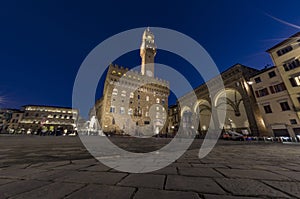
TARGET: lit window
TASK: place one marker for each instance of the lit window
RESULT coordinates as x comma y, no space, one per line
131,95
157,100
130,111
297,80
157,108
123,94
122,110
147,98
113,72
115,91
147,114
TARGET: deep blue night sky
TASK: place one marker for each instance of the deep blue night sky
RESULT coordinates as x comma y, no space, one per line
43,43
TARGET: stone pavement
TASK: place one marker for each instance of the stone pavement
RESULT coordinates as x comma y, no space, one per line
60,167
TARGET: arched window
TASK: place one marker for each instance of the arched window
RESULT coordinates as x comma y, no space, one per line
147,98
157,100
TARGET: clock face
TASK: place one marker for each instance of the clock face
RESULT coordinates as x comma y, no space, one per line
149,73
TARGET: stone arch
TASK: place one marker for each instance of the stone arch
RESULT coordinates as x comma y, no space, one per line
202,109
185,109
236,116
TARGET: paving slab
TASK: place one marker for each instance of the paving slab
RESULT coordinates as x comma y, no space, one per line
109,178
50,191
251,174
103,192
5,181
19,173
97,167
35,166
197,184
143,180
163,194
248,187
167,171
290,174
211,196
291,188
204,172
18,187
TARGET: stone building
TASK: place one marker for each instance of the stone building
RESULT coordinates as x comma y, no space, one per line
274,103
13,125
5,117
50,118
286,58
242,112
134,102
173,119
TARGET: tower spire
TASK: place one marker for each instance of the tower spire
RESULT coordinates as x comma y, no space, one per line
147,53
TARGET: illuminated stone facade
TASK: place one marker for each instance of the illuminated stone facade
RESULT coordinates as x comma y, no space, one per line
284,105
50,117
274,103
242,112
134,102
5,118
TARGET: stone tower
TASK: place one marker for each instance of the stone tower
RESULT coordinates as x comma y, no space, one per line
147,53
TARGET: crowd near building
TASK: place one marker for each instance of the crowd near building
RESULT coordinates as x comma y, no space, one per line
258,102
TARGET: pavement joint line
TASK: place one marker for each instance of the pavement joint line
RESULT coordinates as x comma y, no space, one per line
220,185
28,166
29,190
165,182
215,169
127,174
188,191
67,195
273,187
133,194
177,170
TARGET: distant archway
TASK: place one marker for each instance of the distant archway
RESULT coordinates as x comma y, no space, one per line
232,100
202,108
185,109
